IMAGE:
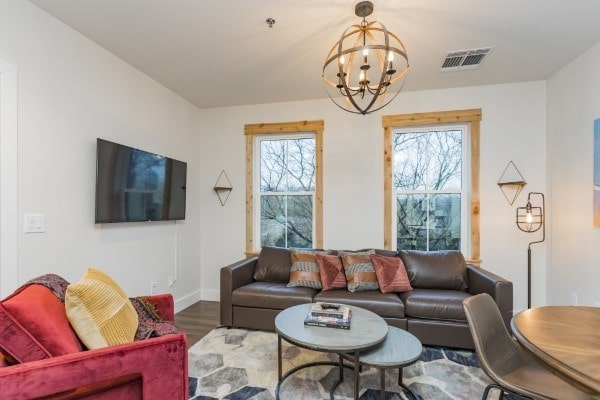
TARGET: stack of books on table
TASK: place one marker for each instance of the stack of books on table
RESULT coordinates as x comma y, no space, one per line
329,315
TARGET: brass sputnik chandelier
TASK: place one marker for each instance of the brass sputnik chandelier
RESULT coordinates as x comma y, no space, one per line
364,70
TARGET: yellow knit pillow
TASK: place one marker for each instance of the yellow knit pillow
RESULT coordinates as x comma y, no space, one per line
99,311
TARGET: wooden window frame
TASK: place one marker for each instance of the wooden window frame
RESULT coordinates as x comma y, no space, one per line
315,127
472,117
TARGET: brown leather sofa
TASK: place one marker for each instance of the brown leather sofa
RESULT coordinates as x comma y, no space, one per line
254,291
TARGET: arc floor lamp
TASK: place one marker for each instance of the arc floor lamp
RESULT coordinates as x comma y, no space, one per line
530,219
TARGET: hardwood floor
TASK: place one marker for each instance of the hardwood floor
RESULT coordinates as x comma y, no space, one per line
197,320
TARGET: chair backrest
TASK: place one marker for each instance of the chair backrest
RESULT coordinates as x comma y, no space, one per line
493,344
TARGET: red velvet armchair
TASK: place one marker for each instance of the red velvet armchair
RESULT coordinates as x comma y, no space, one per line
155,368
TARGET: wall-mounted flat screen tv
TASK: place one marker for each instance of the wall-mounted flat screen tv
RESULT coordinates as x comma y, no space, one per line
134,185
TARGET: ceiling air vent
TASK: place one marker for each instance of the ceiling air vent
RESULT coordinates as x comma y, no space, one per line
465,59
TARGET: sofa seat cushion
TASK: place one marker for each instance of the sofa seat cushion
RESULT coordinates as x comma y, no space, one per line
435,304
386,305
271,295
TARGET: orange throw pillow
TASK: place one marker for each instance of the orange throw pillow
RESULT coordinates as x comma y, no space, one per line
332,272
391,274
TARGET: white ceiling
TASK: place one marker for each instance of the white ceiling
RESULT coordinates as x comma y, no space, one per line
222,53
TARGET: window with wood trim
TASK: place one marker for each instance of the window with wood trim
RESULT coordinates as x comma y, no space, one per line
284,185
431,183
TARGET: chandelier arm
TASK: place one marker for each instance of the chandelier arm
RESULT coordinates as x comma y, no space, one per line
382,77
337,45
345,75
377,48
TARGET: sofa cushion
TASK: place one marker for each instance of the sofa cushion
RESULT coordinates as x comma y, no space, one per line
386,305
391,274
274,265
359,270
271,295
332,271
34,326
435,304
100,311
305,270
445,269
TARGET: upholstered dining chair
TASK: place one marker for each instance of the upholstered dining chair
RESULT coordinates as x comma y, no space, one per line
510,366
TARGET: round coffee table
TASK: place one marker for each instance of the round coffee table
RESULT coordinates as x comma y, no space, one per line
367,330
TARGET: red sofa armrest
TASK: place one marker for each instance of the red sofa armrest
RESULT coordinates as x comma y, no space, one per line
164,305
160,362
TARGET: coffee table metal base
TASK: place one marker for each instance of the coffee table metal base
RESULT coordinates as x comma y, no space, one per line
400,349
341,365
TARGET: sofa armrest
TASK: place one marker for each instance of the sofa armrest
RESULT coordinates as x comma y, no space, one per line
158,365
500,289
232,277
164,305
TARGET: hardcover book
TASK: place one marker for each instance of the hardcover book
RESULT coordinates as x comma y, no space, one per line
328,321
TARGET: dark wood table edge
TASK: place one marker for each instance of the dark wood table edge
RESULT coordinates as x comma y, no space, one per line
560,369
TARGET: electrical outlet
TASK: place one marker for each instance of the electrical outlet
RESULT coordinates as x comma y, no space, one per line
153,287
573,299
171,280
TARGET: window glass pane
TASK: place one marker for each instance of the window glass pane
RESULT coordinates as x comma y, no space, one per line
444,222
286,221
287,165
301,164
273,221
412,222
273,166
299,221
444,153
410,161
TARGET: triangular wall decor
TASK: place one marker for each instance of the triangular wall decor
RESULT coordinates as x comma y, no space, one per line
223,187
511,182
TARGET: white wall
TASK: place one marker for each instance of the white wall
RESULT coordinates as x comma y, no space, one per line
514,121
573,105
71,91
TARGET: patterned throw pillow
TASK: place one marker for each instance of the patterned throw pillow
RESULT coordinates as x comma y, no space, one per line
332,272
305,270
391,274
359,270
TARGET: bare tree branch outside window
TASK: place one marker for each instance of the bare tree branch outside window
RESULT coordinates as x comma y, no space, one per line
287,185
427,182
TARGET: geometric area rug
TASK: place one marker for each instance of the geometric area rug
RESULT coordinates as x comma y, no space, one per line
240,364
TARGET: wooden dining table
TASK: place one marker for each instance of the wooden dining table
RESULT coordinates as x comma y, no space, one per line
566,339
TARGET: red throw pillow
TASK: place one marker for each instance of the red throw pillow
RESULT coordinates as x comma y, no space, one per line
391,274
34,326
332,272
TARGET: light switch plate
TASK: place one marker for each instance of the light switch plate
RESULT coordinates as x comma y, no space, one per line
35,223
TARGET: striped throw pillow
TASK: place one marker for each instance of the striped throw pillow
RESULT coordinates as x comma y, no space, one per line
359,270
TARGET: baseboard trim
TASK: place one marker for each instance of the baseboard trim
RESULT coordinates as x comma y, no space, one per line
211,295
187,300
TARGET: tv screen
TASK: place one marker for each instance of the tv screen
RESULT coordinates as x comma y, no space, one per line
134,185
